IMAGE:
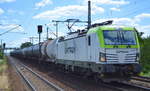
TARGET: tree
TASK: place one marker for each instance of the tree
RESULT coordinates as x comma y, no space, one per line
50,38
1,54
145,57
26,44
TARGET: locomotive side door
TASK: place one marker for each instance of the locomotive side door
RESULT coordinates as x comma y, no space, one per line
89,47
91,42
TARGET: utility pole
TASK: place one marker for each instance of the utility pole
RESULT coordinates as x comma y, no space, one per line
89,14
56,29
47,32
32,39
1,43
3,48
56,24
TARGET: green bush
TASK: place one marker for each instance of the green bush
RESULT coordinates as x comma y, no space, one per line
145,55
1,55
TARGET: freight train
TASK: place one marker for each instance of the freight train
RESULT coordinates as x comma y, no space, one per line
106,51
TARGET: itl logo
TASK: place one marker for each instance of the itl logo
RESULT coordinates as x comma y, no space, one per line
121,51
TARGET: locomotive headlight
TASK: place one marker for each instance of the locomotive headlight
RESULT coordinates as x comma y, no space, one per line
102,57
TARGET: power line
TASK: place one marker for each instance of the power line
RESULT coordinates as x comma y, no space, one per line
70,23
9,30
18,32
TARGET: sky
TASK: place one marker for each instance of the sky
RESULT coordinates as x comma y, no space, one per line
23,16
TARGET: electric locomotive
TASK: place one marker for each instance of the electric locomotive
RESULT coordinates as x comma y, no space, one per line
105,51
108,51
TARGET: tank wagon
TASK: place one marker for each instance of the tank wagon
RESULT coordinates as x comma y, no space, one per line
107,51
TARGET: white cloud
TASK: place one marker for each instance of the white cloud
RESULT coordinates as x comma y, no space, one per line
124,21
6,1
43,3
128,21
108,2
18,42
5,20
96,9
66,11
115,9
9,21
78,27
1,11
142,16
144,29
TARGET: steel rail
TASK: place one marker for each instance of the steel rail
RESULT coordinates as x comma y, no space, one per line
24,78
141,78
113,87
136,86
42,78
123,86
144,77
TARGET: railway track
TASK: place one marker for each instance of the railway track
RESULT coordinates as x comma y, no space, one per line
33,80
141,88
131,85
141,78
114,86
126,86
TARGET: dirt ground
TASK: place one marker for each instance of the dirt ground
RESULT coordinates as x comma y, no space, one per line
16,83
4,82
10,80
4,78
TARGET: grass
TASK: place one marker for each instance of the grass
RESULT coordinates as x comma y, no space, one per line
4,79
145,74
3,65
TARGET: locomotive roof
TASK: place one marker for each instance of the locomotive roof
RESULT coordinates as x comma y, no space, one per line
110,27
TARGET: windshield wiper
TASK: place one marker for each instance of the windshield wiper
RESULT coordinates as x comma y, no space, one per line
123,40
116,46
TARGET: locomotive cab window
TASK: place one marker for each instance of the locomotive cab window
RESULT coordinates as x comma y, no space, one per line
119,37
89,40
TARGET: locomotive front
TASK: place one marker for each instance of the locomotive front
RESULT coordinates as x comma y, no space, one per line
119,51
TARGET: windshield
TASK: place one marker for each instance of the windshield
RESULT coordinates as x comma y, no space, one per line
119,37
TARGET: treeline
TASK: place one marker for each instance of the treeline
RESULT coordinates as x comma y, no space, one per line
145,55
1,55
1,52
